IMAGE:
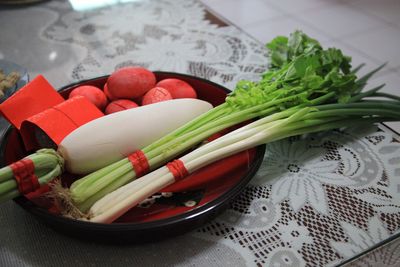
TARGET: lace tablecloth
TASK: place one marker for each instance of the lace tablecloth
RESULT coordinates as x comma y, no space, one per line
318,200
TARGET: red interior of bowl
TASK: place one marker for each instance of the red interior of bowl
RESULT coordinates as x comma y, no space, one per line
200,187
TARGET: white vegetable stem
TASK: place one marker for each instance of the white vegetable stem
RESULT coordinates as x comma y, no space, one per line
115,136
115,204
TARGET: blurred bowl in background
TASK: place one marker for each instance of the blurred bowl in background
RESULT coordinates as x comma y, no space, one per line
8,67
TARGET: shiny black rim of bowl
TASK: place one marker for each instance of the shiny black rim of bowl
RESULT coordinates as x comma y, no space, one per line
140,232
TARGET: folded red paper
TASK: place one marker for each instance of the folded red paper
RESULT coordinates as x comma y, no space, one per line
43,116
36,96
57,122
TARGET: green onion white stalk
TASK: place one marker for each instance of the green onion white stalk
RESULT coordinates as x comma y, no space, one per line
268,129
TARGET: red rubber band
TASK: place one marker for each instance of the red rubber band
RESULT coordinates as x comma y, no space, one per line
139,163
24,174
178,169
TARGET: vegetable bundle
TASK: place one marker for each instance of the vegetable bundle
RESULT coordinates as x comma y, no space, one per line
47,165
271,128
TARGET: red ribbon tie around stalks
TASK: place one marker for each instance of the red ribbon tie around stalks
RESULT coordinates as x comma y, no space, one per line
178,169
23,171
139,163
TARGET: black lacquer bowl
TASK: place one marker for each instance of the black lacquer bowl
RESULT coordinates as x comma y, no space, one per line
178,209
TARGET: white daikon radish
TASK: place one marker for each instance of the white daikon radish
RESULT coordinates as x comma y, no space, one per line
115,136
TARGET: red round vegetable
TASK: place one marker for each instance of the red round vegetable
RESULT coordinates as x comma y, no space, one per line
105,90
157,94
130,82
92,93
120,105
178,88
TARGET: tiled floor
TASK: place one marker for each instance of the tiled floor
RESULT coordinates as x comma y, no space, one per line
367,30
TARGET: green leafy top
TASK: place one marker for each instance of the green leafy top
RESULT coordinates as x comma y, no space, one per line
300,70
283,49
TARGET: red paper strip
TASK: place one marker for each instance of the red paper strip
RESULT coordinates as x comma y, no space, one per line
23,171
178,169
35,97
139,163
58,121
